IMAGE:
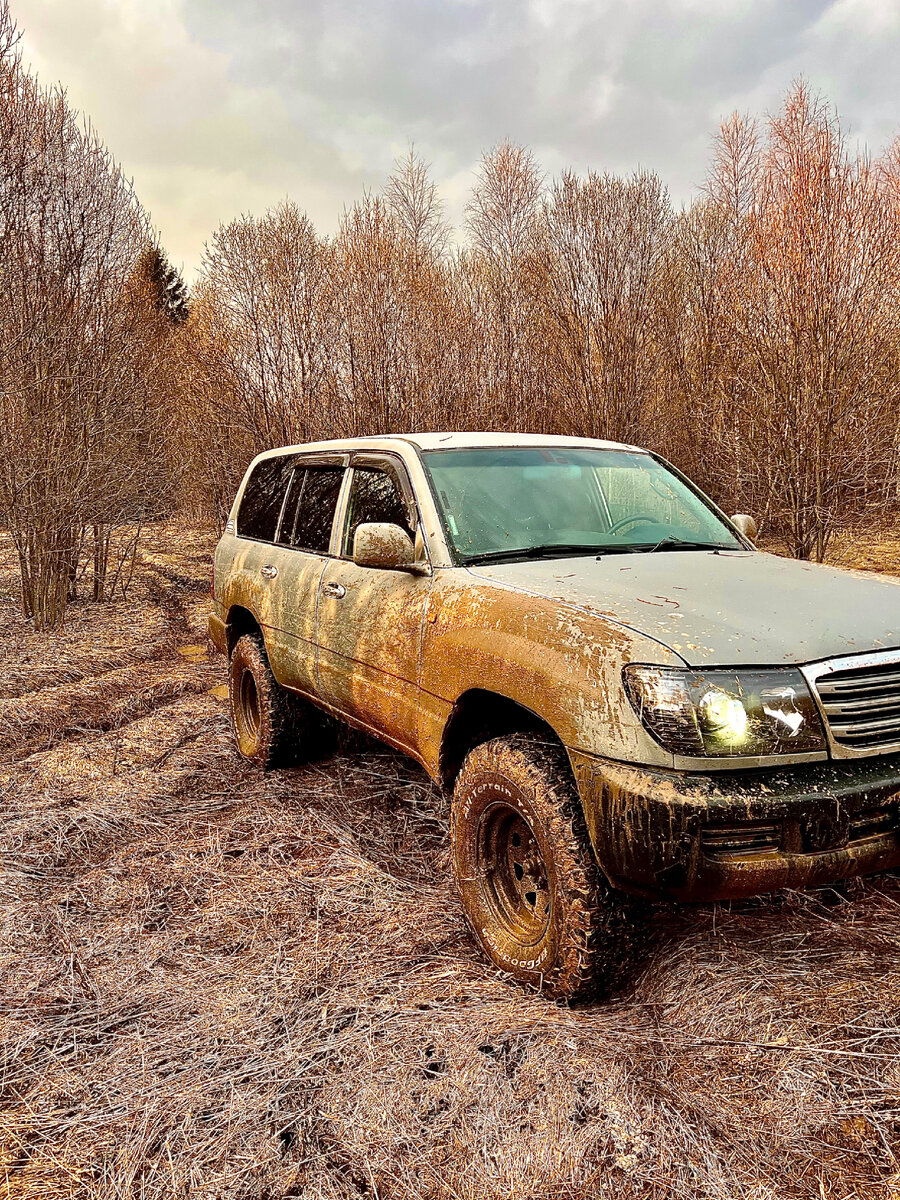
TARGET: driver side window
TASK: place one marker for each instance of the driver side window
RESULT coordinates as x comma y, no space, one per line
374,496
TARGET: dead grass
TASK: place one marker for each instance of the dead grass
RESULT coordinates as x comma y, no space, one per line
222,984
875,549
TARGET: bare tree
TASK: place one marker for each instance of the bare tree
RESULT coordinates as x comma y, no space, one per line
397,344
812,300
604,238
502,219
736,169
80,435
413,201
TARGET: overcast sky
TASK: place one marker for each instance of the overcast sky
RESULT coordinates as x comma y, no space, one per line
221,106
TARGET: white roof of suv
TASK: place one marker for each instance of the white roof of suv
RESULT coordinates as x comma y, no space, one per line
442,441
447,441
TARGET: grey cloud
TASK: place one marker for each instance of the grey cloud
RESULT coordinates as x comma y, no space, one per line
458,77
316,98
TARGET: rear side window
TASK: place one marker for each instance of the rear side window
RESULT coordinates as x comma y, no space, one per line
309,513
261,503
374,496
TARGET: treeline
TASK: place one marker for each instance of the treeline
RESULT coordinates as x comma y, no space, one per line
754,338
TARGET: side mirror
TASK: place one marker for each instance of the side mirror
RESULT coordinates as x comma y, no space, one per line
386,546
746,525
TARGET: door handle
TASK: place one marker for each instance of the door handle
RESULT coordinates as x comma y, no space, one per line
334,589
269,572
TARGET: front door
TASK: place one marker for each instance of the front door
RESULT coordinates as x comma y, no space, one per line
369,624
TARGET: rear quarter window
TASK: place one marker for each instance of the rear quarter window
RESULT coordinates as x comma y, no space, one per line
262,499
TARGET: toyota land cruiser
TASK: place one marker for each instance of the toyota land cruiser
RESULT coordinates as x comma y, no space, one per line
626,698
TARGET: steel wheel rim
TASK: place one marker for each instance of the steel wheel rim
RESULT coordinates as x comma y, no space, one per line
516,884
248,704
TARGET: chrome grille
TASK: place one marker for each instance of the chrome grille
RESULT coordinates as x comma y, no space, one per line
863,707
860,700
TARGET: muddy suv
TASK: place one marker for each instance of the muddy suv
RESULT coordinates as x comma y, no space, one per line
627,699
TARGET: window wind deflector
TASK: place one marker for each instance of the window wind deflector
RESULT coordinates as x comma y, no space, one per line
552,550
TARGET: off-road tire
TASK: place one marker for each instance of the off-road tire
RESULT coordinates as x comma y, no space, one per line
272,727
578,943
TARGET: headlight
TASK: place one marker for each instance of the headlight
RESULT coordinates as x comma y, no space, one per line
737,713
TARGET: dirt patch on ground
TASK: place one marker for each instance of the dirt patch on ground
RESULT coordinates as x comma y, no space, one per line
223,984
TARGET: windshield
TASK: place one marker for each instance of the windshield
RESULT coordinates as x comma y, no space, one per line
509,502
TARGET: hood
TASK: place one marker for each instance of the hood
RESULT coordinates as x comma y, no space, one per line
734,608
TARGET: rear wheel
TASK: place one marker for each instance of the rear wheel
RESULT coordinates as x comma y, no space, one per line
272,726
526,876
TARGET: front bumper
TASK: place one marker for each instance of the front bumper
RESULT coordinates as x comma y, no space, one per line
723,835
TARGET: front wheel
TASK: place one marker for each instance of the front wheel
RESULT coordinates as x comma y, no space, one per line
529,886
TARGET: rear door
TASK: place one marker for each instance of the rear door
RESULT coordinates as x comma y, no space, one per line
303,547
251,577
369,624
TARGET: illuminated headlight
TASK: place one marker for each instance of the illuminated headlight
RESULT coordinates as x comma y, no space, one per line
737,713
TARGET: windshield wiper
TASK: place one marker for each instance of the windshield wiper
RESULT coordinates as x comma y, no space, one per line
620,548
560,549
670,543
551,550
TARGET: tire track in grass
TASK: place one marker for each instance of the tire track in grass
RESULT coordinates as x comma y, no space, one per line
103,703
29,679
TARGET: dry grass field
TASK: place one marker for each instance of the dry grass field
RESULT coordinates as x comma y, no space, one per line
233,986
